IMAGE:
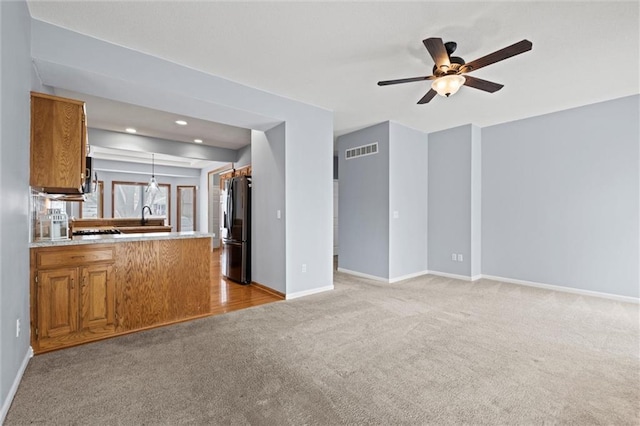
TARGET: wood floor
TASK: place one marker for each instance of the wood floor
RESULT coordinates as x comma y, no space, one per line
227,296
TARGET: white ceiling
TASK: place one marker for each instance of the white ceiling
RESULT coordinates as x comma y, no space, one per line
116,116
332,54
146,158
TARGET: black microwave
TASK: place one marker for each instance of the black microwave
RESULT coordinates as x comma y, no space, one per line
90,178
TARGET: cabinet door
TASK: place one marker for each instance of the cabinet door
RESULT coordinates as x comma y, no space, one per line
58,144
97,301
57,303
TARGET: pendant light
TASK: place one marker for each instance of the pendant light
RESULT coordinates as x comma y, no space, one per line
152,188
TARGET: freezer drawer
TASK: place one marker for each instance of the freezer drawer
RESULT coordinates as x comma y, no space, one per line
234,261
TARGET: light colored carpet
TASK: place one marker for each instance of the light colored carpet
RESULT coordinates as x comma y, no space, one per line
429,350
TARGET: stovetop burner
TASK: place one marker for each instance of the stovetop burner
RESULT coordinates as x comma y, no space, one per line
96,232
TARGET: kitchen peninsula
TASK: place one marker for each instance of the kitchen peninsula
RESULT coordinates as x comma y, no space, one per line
119,225
92,287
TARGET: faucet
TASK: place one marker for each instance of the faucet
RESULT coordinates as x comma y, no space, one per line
150,212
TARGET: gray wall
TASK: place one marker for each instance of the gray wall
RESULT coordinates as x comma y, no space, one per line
476,202
268,175
560,196
450,199
309,202
364,203
110,171
15,84
126,141
243,157
72,61
408,154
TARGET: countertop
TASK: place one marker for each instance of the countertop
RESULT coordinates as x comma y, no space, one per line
140,229
120,238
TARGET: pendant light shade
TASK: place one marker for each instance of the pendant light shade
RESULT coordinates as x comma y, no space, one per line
152,188
448,85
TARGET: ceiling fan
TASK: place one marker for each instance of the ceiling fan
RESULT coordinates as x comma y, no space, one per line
448,70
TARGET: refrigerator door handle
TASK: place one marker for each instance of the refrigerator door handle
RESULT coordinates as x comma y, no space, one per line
227,212
230,205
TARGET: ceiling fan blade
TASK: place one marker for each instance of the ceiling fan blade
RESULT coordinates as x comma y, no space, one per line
498,55
478,83
438,52
426,98
405,80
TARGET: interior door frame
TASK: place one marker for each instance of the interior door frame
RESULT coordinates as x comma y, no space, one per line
194,188
100,198
228,166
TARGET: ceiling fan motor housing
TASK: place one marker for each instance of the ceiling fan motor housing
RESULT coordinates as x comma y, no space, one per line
455,62
450,47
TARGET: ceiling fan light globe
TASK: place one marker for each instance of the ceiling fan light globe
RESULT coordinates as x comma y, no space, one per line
448,85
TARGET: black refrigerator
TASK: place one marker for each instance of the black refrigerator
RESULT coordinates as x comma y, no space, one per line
236,230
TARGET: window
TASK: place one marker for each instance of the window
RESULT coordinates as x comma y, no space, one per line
186,208
128,198
93,204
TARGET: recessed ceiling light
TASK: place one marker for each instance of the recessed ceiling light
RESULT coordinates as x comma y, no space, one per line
130,130
181,122
197,140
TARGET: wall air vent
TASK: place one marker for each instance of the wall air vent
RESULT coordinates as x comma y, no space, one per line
360,151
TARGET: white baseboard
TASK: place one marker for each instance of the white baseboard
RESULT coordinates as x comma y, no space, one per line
303,293
361,275
503,279
456,276
14,387
406,277
564,289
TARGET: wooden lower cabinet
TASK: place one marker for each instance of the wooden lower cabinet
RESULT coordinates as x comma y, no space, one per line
57,308
97,299
72,304
162,282
82,293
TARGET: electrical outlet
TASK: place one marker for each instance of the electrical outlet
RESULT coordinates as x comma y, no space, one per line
304,267
278,214
396,214
459,258
18,327
453,257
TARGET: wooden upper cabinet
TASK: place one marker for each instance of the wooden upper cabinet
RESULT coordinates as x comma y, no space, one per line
58,144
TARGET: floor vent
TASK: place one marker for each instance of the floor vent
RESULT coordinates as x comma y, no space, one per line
360,151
